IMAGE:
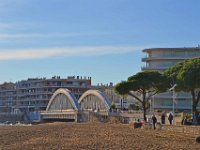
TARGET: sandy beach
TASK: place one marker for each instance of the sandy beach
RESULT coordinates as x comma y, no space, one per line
91,136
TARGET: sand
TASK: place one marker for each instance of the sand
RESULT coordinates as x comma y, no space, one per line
92,136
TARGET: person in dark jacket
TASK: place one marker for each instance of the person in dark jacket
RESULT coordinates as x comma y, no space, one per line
163,118
154,119
170,118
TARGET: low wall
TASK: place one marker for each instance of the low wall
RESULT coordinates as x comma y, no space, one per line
10,117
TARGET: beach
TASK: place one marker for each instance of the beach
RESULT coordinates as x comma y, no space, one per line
91,136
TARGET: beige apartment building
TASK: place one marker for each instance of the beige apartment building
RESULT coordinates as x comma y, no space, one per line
34,94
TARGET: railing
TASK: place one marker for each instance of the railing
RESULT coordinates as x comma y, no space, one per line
30,99
8,95
154,68
34,93
29,106
166,57
170,107
179,95
4,106
54,86
170,97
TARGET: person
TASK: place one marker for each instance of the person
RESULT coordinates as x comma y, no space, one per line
184,121
198,119
170,118
183,117
163,118
154,119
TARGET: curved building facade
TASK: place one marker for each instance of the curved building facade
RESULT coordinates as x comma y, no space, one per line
160,59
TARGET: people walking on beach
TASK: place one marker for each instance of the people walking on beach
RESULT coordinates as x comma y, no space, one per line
154,119
170,118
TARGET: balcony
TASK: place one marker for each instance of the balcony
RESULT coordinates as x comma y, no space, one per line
170,107
169,96
54,86
4,106
30,106
166,58
31,99
155,68
34,93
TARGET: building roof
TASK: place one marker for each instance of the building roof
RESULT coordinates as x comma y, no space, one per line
170,49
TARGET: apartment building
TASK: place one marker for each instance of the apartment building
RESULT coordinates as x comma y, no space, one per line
34,94
121,102
160,59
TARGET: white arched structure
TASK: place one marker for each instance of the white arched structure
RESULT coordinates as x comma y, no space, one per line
63,100
94,100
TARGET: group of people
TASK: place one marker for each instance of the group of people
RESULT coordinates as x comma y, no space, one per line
154,119
189,119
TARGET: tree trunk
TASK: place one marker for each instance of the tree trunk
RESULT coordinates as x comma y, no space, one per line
144,113
144,106
194,102
194,105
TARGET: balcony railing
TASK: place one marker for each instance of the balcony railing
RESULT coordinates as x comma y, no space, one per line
154,68
33,93
54,86
170,96
170,107
31,99
29,106
167,58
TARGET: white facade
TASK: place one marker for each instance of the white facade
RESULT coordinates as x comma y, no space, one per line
160,59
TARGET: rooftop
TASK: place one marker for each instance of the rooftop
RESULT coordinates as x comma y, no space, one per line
177,49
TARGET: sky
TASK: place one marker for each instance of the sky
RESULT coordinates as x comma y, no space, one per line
102,39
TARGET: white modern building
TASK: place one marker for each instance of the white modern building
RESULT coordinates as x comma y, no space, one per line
160,59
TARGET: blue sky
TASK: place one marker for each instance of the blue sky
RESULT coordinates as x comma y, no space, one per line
98,38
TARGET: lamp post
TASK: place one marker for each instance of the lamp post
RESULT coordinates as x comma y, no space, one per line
173,106
150,105
153,103
174,97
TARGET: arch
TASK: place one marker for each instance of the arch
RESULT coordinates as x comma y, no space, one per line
68,95
98,94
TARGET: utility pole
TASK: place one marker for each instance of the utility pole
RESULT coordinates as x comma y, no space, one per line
173,103
173,106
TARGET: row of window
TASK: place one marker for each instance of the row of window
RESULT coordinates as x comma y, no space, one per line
57,83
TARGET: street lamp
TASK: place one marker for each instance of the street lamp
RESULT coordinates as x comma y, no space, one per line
153,103
174,96
150,103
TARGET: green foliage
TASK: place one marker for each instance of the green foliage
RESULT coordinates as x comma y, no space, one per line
133,107
186,75
113,106
189,74
123,87
148,81
172,75
145,83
